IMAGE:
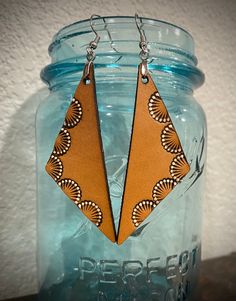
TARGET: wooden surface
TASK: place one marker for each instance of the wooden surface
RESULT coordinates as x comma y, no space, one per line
217,281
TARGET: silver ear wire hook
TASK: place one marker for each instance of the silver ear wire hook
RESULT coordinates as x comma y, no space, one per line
144,53
97,37
93,44
141,31
91,47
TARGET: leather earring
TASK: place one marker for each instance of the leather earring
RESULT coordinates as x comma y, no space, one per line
156,162
78,152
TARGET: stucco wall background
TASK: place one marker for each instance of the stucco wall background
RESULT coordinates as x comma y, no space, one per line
26,28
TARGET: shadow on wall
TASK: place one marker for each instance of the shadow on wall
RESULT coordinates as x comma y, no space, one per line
18,203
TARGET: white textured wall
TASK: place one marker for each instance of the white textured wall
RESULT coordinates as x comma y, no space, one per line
26,28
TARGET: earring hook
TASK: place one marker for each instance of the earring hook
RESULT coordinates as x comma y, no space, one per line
144,53
93,44
106,28
97,37
141,31
90,49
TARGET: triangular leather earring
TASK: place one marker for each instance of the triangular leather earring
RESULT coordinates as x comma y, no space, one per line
156,162
77,160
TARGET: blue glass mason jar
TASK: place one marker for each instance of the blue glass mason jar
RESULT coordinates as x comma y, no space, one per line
76,262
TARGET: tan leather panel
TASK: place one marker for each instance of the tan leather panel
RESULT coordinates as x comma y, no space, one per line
77,161
156,159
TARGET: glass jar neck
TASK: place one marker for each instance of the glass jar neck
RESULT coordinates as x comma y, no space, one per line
171,49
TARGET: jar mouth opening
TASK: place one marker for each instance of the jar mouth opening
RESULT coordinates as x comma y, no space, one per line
171,47
81,26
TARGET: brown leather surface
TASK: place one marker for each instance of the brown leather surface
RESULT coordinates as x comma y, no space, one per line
77,162
154,166
156,160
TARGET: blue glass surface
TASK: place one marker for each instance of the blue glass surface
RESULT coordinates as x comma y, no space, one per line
160,260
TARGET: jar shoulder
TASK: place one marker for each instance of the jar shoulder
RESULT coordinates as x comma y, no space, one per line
186,110
52,107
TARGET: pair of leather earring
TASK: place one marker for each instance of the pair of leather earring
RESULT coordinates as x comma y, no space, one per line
156,160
